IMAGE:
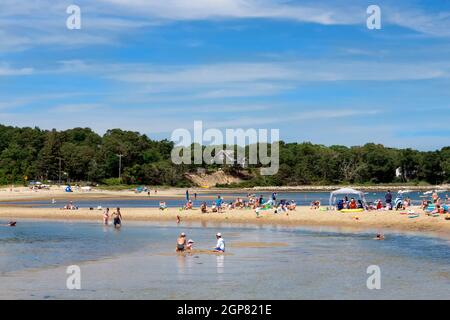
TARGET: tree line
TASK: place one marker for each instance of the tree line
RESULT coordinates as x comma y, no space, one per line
80,154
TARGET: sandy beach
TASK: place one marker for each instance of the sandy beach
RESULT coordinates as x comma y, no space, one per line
55,192
302,216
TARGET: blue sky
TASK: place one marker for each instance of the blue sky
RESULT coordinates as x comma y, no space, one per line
309,68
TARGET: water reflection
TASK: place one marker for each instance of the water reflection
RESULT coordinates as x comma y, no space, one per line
181,264
220,263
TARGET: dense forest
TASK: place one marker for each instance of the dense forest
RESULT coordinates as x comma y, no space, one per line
83,155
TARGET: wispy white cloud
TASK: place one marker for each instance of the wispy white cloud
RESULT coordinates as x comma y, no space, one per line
6,70
206,9
25,24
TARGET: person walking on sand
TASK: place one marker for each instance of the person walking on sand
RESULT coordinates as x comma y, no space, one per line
181,243
106,216
117,218
220,246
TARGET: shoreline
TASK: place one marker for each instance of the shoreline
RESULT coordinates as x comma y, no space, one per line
303,217
23,194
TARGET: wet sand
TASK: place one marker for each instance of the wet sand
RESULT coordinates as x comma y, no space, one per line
303,216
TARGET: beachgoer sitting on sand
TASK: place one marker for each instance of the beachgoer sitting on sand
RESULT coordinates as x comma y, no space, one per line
424,204
220,247
406,203
315,205
240,203
181,243
213,207
117,218
340,205
292,205
106,216
360,204
435,197
189,205
353,204
204,208
190,245
162,205
283,206
379,205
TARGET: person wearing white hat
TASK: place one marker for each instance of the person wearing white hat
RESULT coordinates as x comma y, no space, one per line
190,244
220,247
181,243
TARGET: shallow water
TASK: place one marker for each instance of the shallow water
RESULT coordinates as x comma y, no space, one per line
138,262
301,198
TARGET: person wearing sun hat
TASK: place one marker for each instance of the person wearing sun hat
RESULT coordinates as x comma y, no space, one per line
220,247
190,244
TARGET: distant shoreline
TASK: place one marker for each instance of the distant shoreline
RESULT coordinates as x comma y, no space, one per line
20,193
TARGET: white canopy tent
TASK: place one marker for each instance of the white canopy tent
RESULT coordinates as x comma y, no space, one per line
347,192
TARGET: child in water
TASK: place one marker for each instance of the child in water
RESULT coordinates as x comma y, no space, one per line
190,245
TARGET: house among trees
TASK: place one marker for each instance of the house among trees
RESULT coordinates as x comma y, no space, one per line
227,157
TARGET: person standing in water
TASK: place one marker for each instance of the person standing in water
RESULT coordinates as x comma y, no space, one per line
117,216
181,243
106,216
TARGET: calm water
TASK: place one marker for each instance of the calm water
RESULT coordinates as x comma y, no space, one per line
138,263
301,198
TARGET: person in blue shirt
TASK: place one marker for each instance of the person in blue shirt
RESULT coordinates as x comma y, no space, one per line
219,203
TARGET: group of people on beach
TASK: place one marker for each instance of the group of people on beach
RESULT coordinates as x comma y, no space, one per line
183,245
351,204
69,206
252,202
